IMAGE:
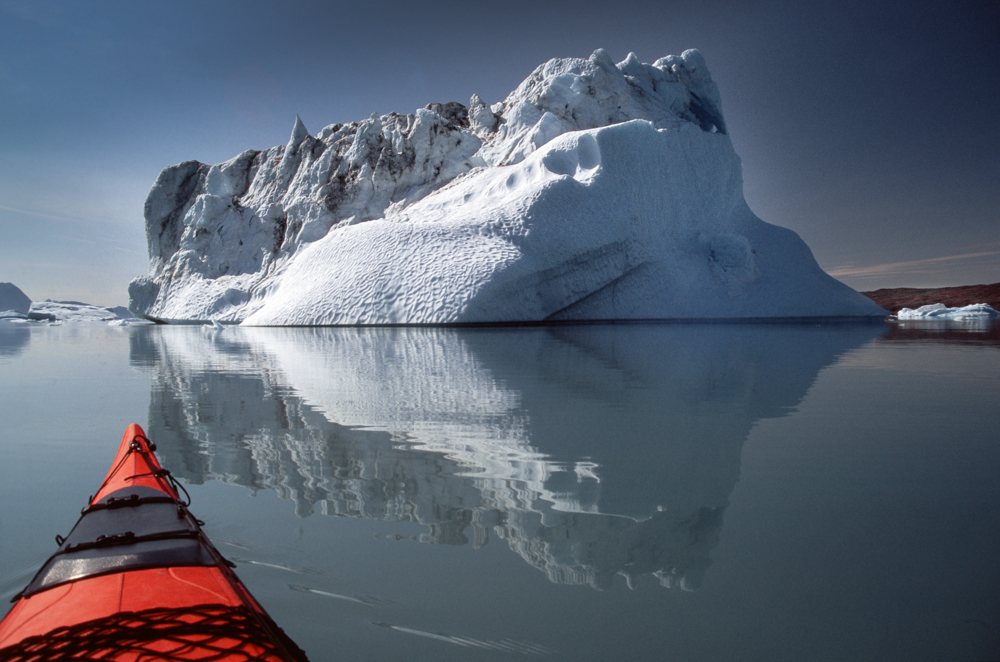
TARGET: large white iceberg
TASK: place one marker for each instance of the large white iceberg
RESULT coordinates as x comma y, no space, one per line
595,191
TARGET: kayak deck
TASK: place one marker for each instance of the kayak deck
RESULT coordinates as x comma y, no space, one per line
137,578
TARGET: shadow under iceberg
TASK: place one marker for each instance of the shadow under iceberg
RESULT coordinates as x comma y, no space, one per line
591,450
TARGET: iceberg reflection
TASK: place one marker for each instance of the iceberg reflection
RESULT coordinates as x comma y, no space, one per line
14,337
591,450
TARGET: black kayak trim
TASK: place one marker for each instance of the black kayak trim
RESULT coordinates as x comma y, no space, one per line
134,528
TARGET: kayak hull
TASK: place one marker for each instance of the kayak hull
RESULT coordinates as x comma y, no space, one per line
137,578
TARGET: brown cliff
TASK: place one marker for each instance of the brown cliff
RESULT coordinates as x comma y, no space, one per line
894,299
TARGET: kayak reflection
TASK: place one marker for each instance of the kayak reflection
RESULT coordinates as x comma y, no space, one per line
592,451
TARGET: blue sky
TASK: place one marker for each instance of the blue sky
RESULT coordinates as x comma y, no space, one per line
870,128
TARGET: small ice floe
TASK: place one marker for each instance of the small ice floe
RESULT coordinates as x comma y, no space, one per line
132,321
32,316
938,311
13,317
213,328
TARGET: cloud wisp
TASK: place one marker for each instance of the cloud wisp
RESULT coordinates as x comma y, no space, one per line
934,266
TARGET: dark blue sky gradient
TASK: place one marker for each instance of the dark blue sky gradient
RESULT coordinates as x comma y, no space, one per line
871,129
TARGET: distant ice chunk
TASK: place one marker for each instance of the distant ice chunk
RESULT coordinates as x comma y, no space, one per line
939,311
76,311
13,309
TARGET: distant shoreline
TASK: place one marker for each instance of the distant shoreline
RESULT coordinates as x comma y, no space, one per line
894,299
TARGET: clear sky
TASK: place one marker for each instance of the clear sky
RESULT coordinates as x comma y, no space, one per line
870,128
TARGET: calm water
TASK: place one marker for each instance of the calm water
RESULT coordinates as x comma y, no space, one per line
640,492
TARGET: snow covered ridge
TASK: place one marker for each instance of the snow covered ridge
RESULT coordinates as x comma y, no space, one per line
595,191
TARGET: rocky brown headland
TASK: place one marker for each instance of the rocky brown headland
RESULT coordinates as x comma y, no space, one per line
894,299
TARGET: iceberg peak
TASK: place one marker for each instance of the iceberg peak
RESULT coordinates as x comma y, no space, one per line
299,134
602,59
593,191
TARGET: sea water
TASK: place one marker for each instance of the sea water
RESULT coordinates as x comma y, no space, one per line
639,492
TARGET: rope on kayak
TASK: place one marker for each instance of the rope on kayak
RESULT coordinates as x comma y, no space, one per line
127,538
174,483
165,473
159,473
135,500
205,632
115,469
136,447
131,501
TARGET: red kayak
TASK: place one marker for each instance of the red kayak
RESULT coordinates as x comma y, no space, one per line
137,579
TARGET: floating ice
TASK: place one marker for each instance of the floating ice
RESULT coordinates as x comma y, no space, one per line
15,306
595,191
939,311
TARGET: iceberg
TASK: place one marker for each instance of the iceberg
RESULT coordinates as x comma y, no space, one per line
13,300
76,311
15,306
595,191
938,311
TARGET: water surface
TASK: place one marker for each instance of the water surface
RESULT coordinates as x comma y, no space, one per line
640,492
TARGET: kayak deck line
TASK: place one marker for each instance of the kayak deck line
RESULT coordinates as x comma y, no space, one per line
137,578
135,465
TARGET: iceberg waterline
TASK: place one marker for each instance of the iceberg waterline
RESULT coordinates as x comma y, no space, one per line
595,191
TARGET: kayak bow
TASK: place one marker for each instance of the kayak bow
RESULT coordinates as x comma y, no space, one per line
137,578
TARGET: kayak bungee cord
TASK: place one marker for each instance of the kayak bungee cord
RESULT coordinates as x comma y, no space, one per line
220,633
139,444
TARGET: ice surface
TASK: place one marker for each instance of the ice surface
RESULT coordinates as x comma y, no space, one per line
595,191
939,311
